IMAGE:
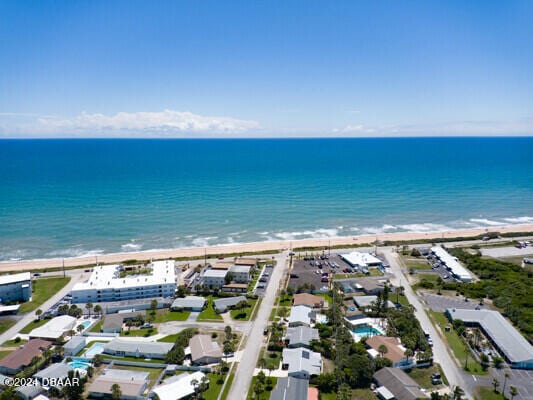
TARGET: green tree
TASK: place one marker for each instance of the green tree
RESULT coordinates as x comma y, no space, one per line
228,278
74,392
38,312
513,391
98,310
382,349
344,392
89,306
495,384
116,393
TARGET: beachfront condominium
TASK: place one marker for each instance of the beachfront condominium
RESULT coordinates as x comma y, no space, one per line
110,283
15,287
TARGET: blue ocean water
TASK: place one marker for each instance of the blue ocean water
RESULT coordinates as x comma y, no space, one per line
74,197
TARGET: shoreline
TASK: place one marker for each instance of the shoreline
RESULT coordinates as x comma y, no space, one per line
250,247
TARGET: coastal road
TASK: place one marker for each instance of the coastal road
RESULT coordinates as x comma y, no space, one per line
245,369
28,317
456,377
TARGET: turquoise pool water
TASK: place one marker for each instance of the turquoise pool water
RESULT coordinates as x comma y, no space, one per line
78,363
96,348
366,331
86,324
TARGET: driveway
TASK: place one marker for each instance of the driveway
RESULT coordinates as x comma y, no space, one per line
246,368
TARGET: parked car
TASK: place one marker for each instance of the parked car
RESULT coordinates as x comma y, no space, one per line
294,276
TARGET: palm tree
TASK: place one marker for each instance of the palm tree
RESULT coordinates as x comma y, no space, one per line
98,310
38,312
505,376
382,350
116,393
80,328
513,392
262,363
458,393
495,385
88,306
408,353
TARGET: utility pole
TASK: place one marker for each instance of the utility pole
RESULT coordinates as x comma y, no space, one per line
205,257
63,267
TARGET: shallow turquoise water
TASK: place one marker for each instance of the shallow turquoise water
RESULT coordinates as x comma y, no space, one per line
73,197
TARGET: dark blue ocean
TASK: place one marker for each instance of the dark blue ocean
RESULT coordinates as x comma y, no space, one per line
74,197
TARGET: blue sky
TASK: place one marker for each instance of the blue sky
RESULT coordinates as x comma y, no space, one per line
291,68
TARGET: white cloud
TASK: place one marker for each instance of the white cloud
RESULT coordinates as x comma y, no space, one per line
165,123
522,127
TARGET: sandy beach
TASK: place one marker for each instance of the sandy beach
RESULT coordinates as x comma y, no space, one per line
251,247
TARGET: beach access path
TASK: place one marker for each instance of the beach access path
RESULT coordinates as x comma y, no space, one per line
34,265
455,375
246,367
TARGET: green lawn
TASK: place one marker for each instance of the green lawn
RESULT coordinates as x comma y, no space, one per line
4,353
43,289
273,314
166,315
245,313
169,338
5,324
139,332
12,343
33,324
414,263
228,387
209,313
214,387
97,327
422,376
272,358
266,394
458,347
326,297
487,393
285,300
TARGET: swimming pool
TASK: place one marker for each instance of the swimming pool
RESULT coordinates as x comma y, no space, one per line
366,331
77,363
96,348
86,324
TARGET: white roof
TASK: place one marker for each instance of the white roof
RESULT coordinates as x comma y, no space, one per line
385,393
302,360
12,278
300,314
54,328
244,269
361,259
215,273
178,387
189,301
457,269
107,277
515,347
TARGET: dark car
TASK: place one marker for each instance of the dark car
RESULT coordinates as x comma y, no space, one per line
294,276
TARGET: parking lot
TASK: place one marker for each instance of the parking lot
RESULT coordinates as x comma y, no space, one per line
310,269
508,251
264,280
441,303
436,266
519,378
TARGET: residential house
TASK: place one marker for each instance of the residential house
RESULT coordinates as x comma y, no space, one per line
21,358
137,348
204,350
397,383
307,299
189,303
290,389
224,304
301,336
178,386
132,384
301,363
74,346
395,351
300,315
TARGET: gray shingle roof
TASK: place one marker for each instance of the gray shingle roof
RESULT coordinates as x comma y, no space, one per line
74,342
301,334
56,371
223,304
142,347
290,389
302,360
399,383
515,348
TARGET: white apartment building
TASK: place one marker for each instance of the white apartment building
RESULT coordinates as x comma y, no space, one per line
105,284
214,278
241,273
15,287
